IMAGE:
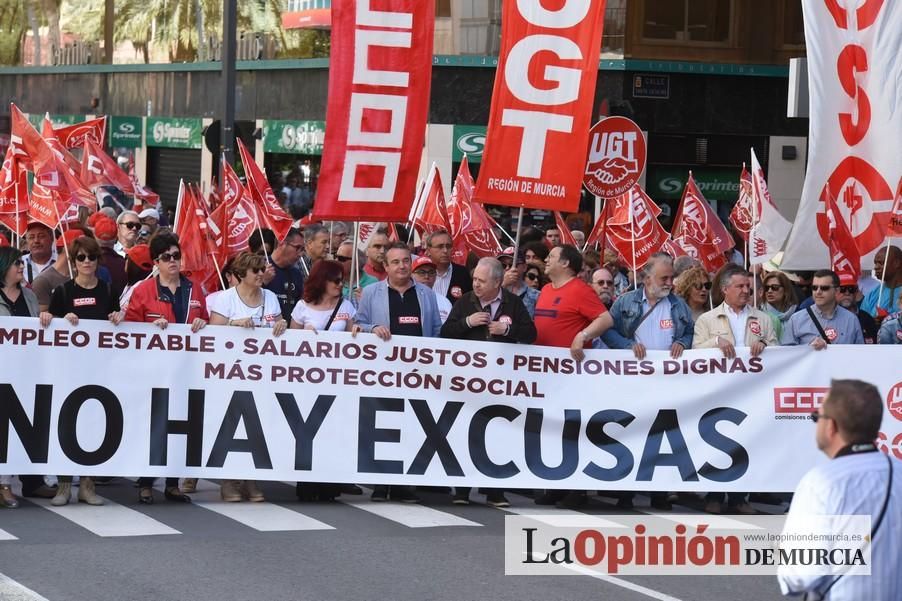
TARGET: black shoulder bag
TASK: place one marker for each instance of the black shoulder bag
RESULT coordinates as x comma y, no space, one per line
817,324
334,313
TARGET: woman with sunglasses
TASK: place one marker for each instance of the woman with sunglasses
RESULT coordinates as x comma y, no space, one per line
15,301
779,299
534,276
85,297
246,305
694,286
324,308
169,297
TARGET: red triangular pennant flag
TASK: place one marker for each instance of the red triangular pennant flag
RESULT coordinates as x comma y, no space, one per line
235,216
74,136
270,213
741,215
697,226
470,226
845,258
430,211
13,185
99,169
566,235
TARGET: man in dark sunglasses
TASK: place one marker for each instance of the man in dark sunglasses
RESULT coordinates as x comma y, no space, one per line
847,297
825,322
128,225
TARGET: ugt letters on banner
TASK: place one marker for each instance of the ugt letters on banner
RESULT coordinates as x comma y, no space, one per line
541,104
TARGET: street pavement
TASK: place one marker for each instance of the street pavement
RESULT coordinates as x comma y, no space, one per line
288,551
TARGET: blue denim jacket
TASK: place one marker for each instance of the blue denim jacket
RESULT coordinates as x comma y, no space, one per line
627,310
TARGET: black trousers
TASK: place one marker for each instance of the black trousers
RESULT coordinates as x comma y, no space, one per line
147,482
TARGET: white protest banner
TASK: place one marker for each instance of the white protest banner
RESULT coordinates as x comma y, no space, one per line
853,80
232,403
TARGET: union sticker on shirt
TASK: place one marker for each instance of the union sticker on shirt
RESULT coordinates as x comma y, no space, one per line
271,318
755,327
456,291
666,324
831,334
194,303
506,320
408,320
342,317
84,302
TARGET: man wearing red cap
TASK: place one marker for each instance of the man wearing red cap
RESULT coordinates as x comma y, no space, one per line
423,270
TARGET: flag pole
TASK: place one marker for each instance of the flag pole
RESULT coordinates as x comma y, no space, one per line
519,229
754,223
355,262
222,281
16,220
65,246
629,199
889,239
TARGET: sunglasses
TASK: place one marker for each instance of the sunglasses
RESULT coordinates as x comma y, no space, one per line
604,282
816,416
532,276
167,257
81,258
337,281
341,259
822,288
258,269
703,286
773,287
132,225
848,289
19,263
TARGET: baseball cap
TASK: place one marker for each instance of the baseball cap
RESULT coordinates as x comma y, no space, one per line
507,252
93,218
105,230
67,237
422,262
139,254
149,213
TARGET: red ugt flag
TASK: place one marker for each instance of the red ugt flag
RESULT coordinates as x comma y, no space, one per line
235,216
698,226
471,226
845,258
566,236
269,211
642,231
741,215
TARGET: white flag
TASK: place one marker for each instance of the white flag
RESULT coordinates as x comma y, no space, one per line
771,228
854,76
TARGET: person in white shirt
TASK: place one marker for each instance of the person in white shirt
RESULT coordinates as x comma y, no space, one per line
247,305
323,306
41,252
858,480
129,224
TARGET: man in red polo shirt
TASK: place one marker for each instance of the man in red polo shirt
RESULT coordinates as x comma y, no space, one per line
568,312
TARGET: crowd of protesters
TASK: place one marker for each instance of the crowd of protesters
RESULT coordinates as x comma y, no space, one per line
127,267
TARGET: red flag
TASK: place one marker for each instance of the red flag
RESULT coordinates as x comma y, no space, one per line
741,215
234,217
31,151
13,185
566,235
539,119
143,194
69,188
470,226
74,136
643,234
895,219
431,211
45,207
599,235
57,147
190,227
674,249
697,225
269,211
99,169
15,222
845,258
380,72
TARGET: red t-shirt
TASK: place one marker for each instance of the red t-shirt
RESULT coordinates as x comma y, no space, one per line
562,313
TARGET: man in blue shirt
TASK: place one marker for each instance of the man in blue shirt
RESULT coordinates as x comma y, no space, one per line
825,322
889,258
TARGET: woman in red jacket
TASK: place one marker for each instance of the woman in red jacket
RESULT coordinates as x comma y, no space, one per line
166,298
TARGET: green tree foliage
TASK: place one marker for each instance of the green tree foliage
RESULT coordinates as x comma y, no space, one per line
13,25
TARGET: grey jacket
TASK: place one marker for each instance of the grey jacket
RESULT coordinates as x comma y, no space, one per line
30,299
373,309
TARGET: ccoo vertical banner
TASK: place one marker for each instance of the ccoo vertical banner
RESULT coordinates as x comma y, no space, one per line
853,78
380,71
542,104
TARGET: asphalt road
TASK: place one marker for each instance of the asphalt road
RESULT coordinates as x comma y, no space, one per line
287,551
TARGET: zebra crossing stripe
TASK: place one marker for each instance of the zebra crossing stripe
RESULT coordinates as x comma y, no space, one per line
108,520
410,515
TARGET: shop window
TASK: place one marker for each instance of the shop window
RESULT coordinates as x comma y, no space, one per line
688,21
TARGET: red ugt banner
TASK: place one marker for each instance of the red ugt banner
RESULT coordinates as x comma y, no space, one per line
542,104
379,78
